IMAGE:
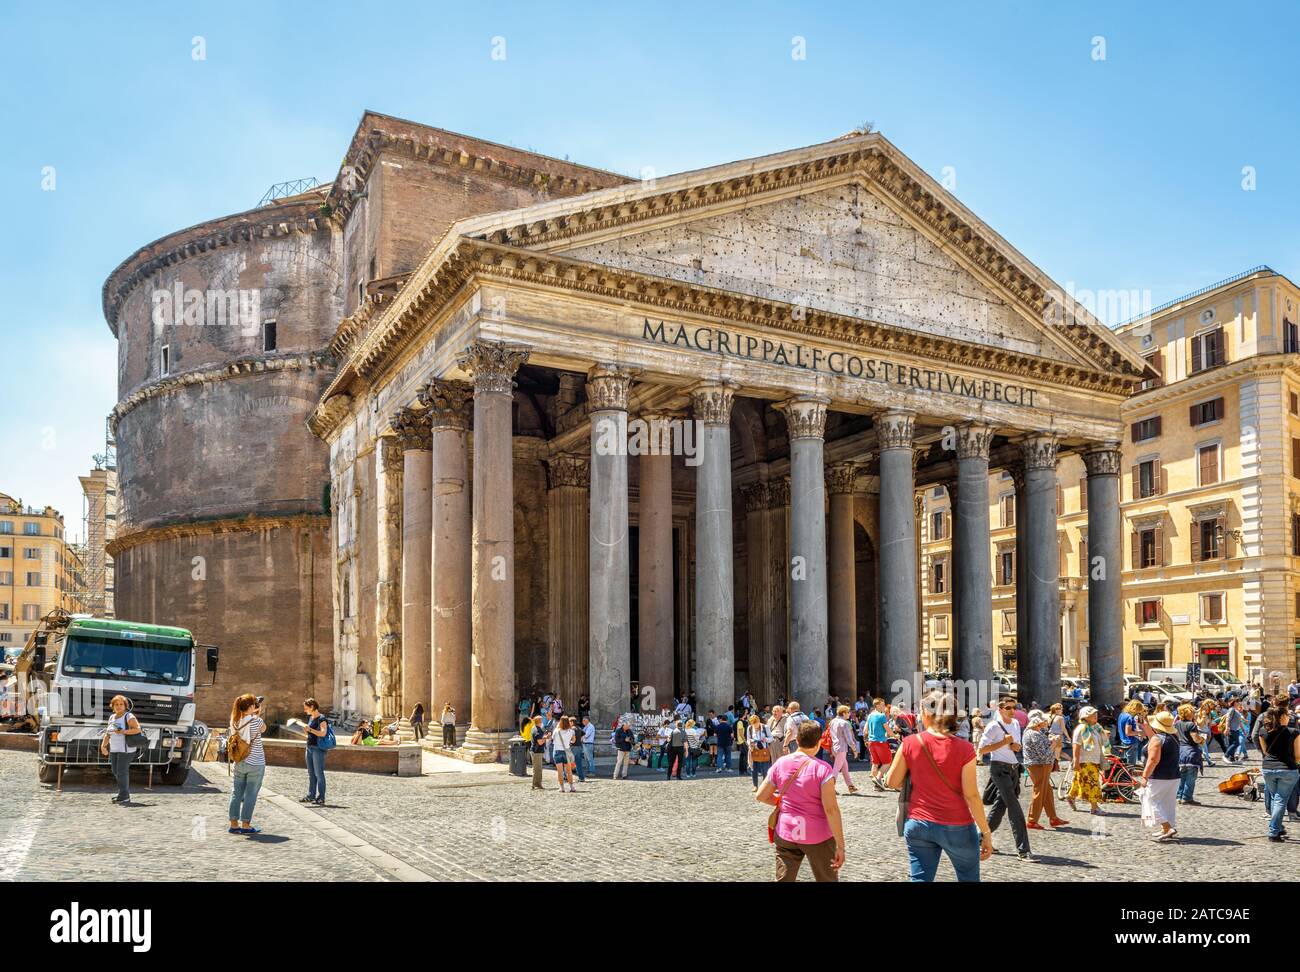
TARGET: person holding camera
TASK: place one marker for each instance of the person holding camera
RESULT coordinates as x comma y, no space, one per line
246,723
119,747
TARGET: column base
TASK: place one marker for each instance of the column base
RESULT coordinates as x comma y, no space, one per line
484,746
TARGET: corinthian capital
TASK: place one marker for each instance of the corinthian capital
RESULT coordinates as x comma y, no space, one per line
842,477
493,365
389,452
448,403
805,418
711,402
973,441
608,387
894,429
1102,461
412,428
1039,452
568,469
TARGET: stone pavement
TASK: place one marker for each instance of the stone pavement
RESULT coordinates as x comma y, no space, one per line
498,828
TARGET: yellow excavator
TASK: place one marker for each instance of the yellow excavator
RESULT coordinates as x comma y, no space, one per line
33,673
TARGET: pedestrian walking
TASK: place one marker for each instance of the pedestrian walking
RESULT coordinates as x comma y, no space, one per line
777,726
448,720
537,740
760,749
806,821
1280,748
624,740
247,773
675,746
842,744
1041,751
694,747
742,743
1001,743
1160,777
318,729
1130,737
878,743
562,738
119,745
723,733
1088,750
943,813
1190,755
1059,729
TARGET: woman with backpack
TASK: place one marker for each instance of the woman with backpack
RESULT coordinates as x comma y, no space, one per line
320,739
119,748
248,761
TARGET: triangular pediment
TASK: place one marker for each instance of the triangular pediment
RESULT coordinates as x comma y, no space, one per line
841,250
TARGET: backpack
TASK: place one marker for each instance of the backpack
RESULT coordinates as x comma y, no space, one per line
237,747
327,741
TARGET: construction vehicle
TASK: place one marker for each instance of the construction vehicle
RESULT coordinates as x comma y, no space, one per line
74,665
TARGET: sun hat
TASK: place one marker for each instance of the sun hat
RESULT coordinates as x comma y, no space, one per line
1038,716
1086,711
1162,720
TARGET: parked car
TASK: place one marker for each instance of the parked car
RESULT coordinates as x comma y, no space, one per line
1161,692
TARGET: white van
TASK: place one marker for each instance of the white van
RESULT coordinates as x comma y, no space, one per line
1215,680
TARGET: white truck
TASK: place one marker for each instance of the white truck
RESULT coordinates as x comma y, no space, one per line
81,663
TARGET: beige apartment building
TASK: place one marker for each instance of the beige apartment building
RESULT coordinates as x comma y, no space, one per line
1210,499
39,570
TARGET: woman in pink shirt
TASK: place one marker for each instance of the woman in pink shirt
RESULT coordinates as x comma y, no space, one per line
802,788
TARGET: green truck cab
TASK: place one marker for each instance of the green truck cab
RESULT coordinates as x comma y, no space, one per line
91,660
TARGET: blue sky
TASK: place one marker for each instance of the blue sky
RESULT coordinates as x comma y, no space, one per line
1122,173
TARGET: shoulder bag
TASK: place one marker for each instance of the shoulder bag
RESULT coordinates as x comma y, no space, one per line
775,815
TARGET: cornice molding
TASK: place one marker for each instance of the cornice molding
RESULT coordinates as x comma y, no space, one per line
551,176
241,524
266,222
1195,386
236,368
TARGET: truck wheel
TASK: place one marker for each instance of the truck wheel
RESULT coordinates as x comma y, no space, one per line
175,775
46,772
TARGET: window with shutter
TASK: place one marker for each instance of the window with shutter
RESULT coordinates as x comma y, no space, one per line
1198,359
1083,494
1295,457
1135,551
1158,545
1209,464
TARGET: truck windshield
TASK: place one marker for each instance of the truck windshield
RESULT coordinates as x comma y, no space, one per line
141,661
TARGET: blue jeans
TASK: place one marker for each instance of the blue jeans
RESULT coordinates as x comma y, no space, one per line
692,760
315,773
1236,744
1278,787
1187,781
758,769
926,841
243,792
588,762
724,757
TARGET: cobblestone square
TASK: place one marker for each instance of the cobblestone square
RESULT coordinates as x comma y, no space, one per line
494,827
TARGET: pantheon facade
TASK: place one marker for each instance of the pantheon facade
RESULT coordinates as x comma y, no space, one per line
597,436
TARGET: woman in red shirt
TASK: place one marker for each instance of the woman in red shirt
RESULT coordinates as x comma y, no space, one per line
945,813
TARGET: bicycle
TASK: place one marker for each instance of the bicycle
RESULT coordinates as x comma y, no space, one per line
1118,784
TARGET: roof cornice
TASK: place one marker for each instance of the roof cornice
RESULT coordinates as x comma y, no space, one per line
1260,365
304,215
377,134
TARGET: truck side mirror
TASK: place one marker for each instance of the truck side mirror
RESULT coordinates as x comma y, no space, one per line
212,657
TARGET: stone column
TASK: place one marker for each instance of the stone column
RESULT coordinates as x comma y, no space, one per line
493,365
569,526
1017,470
956,558
777,630
842,608
655,601
1105,601
413,430
809,665
715,609
972,575
899,615
1039,670
759,589
388,585
610,611
451,557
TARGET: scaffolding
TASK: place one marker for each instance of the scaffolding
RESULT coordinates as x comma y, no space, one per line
98,527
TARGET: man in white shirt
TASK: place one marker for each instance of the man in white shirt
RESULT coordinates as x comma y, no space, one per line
1001,743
